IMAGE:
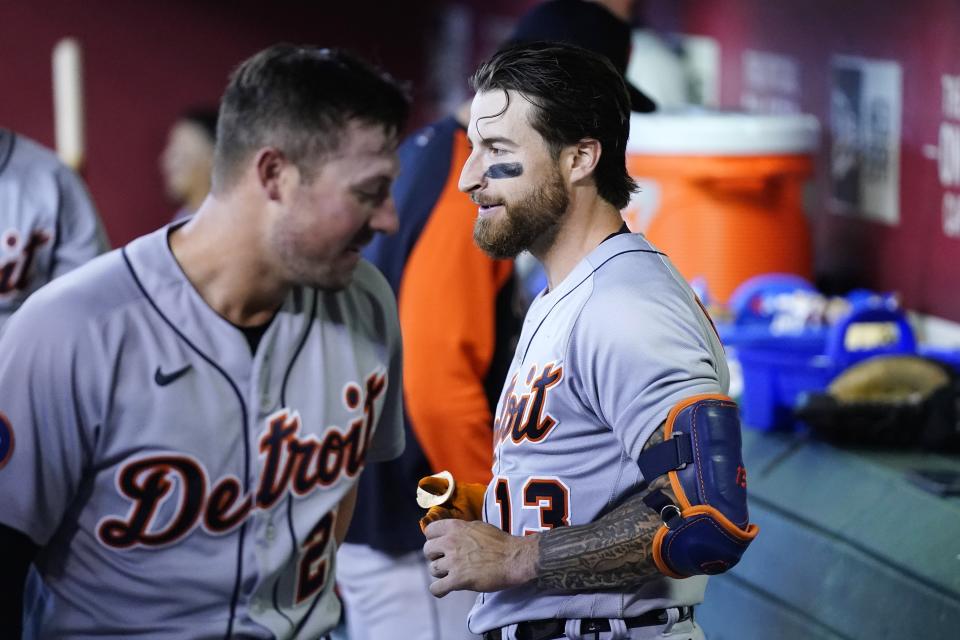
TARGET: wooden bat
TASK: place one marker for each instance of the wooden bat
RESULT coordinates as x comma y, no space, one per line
68,102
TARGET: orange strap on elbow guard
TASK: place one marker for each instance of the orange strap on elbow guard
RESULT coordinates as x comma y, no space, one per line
444,498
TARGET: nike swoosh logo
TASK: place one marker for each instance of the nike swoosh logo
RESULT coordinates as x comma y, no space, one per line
163,379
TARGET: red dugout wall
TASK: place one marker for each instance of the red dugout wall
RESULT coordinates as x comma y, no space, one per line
887,208
146,61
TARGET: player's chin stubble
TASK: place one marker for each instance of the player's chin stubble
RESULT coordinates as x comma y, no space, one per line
303,267
530,224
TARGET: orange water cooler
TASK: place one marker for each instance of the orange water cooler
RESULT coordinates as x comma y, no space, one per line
722,193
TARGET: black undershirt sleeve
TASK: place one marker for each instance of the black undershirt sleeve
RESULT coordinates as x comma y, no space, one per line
18,551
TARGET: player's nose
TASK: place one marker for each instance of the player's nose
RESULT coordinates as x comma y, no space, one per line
385,218
471,176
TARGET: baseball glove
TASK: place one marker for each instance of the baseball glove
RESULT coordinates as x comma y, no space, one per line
888,401
444,498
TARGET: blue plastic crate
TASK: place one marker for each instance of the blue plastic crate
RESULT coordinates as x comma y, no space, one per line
777,369
750,310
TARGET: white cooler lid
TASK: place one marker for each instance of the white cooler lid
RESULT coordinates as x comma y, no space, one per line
722,133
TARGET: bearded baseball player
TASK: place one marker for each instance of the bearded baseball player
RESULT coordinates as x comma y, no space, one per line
617,476
48,224
183,421
456,301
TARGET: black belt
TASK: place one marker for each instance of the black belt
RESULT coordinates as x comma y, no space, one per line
554,627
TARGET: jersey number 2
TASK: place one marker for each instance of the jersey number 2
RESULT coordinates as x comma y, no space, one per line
312,572
548,495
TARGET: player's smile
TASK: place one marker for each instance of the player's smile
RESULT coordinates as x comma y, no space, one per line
486,211
361,240
353,251
487,207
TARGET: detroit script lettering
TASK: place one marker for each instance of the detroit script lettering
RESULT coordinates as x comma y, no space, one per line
290,463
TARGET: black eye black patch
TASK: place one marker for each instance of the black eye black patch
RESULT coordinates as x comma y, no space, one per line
504,170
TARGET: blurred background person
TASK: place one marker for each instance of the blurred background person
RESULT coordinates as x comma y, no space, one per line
48,224
187,160
460,316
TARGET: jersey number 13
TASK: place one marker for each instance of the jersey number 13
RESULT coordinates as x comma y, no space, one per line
549,496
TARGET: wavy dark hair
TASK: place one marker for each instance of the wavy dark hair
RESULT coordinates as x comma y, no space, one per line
299,99
576,94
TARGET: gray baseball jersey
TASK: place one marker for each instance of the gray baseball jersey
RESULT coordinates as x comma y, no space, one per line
600,362
48,225
180,487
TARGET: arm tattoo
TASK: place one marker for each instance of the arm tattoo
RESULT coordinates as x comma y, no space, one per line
612,552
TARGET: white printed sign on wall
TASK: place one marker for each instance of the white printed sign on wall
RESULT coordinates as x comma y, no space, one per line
947,155
771,83
865,116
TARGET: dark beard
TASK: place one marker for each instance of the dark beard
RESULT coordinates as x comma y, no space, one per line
530,224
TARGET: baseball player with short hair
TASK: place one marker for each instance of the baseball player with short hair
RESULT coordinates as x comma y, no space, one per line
179,453
48,224
617,476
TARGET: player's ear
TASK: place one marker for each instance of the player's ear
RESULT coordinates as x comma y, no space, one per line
269,164
582,159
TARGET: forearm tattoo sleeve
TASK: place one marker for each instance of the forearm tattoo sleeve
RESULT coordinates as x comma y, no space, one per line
612,552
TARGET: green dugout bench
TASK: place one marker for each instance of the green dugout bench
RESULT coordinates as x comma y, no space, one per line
849,547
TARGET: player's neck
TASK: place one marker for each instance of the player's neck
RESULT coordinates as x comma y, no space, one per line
197,195
589,220
219,253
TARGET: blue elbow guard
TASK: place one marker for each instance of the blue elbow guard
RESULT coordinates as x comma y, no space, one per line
707,529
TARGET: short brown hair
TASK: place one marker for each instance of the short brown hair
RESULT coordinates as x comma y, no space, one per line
299,99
